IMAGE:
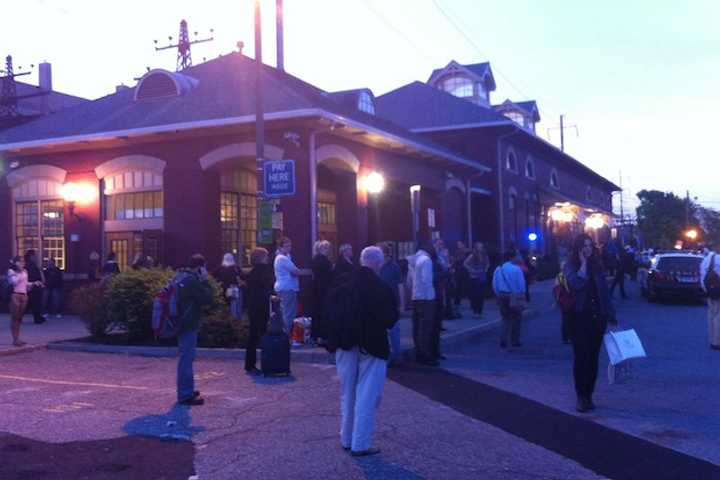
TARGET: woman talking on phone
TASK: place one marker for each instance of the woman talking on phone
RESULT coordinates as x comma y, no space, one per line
589,319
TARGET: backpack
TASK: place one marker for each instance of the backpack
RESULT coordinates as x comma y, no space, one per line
166,314
342,310
561,292
712,281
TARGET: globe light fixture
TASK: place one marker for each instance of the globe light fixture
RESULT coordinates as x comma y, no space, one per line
374,183
532,236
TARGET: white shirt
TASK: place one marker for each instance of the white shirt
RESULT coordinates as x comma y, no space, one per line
19,280
508,278
422,278
705,266
284,279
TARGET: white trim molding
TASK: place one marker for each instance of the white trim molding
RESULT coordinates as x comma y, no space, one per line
232,150
130,162
138,225
36,172
328,154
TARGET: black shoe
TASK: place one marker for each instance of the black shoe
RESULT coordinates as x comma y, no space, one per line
196,393
590,403
42,320
441,357
715,347
193,401
581,406
253,371
443,329
365,453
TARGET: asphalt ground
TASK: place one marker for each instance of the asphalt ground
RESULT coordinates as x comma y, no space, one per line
113,416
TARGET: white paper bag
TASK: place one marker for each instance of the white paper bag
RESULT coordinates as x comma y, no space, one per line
623,345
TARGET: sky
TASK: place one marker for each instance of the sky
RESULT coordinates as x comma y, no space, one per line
638,78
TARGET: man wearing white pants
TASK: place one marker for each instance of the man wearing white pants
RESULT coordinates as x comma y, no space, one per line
362,309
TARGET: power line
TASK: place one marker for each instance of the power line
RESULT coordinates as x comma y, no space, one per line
477,49
397,31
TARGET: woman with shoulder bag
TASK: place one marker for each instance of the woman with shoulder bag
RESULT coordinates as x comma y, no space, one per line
509,286
589,318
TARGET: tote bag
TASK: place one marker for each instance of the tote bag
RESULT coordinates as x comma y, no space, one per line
623,345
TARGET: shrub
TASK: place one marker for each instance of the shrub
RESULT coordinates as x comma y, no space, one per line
129,300
89,303
219,329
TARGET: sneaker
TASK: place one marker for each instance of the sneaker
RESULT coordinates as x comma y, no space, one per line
193,401
365,453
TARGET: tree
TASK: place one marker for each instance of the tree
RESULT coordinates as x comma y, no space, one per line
663,217
710,221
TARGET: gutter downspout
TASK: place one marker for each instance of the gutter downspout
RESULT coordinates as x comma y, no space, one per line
501,191
313,183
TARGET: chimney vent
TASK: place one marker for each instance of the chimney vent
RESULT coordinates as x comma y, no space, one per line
121,88
45,74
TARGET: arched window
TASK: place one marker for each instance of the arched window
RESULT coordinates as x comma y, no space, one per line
516,117
365,103
530,168
511,161
238,211
458,85
554,179
40,220
133,207
512,199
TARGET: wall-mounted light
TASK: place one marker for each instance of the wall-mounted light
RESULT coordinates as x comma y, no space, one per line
594,222
561,216
77,193
374,183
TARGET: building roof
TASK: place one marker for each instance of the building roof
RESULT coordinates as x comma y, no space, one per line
420,106
35,105
479,70
224,91
423,108
528,107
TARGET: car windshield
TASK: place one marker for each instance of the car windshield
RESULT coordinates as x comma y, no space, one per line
679,264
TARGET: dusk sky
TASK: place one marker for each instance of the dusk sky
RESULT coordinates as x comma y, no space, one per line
638,78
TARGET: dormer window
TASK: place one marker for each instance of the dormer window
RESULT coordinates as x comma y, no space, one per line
459,86
162,84
516,117
365,103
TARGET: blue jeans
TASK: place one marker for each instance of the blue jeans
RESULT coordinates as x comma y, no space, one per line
187,343
288,305
53,301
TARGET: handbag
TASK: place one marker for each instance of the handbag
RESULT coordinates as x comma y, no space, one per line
712,281
623,345
516,300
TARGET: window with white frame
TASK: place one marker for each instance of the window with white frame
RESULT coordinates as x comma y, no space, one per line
458,85
516,117
39,222
133,195
530,168
511,161
365,103
238,210
554,179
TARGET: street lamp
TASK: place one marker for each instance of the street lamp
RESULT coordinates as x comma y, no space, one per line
692,234
77,193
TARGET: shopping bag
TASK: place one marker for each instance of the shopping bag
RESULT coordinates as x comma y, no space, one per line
623,345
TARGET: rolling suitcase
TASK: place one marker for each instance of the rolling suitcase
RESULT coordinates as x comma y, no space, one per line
275,355
275,346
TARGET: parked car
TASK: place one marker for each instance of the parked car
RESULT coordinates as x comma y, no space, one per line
673,275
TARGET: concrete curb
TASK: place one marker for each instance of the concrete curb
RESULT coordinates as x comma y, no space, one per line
25,349
303,355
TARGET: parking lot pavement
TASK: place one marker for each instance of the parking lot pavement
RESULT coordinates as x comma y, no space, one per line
250,427
670,398
38,336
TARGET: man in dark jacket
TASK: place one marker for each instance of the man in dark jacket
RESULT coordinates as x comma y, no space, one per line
362,351
37,280
194,293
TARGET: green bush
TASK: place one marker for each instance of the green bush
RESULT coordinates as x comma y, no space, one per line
124,304
129,300
89,303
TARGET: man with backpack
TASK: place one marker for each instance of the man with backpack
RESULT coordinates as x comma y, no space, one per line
710,281
360,310
194,292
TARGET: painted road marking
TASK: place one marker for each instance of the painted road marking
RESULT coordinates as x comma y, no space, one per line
209,375
20,390
65,382
67,408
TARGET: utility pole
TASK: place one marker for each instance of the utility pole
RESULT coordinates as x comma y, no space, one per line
279,35
259,117
184,56
687,209
562,129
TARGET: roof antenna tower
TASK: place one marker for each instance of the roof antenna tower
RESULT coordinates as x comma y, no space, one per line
184,55
8,92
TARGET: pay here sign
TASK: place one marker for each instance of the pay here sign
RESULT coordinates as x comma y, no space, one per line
279,178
